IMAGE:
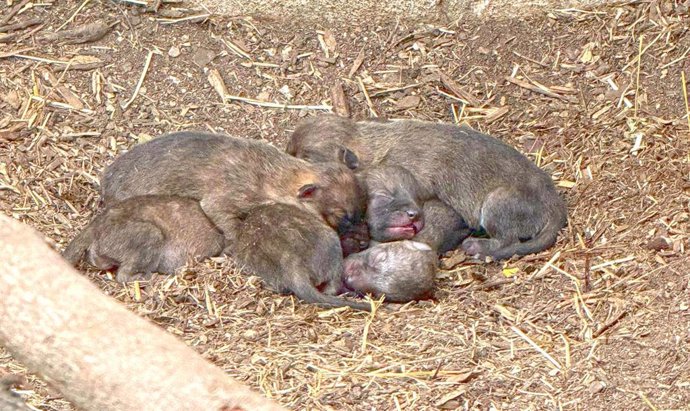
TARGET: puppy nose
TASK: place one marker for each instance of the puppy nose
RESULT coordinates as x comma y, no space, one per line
413,214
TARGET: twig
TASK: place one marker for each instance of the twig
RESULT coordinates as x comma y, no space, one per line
452,97
639,55
537,347
392,90
277,105
610,324
366,97
236,49
370,319
21,25
16,52
543,269
612,262
529,59
637,81
646,401
69,64
19,36
672,62
194,19
685,96
135,2
141,80
567,351
493,284
59,105
71,18
12,12
540,90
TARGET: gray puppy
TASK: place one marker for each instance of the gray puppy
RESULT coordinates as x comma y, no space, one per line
401,270
230,175
394,209
490,184
146,234
293,252
399,208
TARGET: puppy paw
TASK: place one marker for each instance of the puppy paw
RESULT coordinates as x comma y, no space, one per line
481,247
473,246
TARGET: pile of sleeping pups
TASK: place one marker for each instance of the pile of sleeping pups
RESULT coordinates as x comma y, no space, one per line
358,207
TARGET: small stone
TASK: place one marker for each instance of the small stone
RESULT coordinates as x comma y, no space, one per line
250,335
201,56
658,244
409,102
450,405
285,90
597,387
174,52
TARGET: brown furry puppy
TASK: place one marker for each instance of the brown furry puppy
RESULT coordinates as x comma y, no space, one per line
401,270
230,175
293,252
394,209
147,234
490,184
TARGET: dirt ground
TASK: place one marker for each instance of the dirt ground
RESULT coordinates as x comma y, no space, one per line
385,11
601,321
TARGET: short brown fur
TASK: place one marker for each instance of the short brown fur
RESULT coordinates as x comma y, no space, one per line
293,252
146,234
230,175
490,184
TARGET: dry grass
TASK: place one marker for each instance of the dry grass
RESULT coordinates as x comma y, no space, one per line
595,96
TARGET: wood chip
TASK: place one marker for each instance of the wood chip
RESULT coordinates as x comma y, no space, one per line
458,90
356,64
217,83
67,94
83,34
329,40
339,100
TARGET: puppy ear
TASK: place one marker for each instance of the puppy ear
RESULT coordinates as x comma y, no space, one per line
349,158
307,191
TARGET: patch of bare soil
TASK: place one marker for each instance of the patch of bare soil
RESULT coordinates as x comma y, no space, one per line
594,96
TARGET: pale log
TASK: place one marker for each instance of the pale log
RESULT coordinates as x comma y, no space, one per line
97,353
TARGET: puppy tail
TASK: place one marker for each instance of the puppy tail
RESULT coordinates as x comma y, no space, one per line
306,291
76,249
